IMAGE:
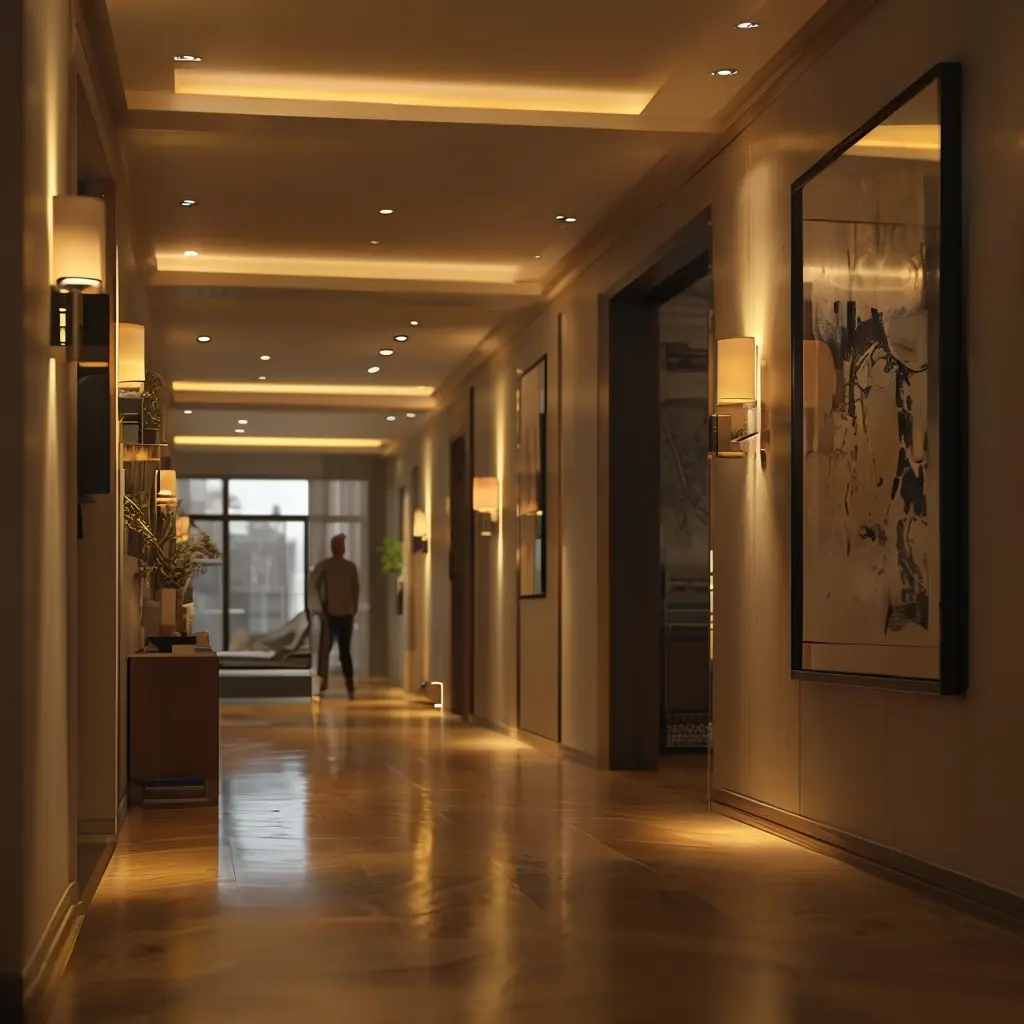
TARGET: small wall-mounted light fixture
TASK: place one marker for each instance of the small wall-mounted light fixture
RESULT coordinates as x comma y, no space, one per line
167,488
420,544
78,264
486,503
437,699
131,358
182,529
736,416
79,243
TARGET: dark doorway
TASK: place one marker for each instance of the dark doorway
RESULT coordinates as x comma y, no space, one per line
461,576
637,607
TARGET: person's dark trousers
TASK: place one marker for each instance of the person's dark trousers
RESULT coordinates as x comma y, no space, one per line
341,630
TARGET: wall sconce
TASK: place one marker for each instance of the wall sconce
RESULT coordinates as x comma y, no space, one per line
167,488
78,265
131,358
736,416
420,545
79,243
486,503
182,529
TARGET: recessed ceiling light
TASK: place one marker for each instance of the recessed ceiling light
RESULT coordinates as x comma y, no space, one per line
725,72
188,202
387,351
401,337
243,423
188,412
239,430
265,359
391,419
190,253
373,241
536,257
188,58
203,339
414,323
749,24
561,216
373,369
570,220
261,378
386,212
410,415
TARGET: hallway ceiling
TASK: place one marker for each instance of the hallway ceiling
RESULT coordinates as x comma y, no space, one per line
478,124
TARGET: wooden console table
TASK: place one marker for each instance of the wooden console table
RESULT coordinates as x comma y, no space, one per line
173,729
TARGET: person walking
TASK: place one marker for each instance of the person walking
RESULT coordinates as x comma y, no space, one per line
335,581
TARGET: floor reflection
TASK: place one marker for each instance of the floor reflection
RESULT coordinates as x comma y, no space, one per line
371,862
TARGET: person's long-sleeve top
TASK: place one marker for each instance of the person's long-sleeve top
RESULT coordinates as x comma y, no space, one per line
336,581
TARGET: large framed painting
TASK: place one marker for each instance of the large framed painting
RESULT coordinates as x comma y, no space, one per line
532,479
879,403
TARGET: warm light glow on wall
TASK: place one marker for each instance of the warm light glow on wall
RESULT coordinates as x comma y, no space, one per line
340,267
736,371
409,92
131,357
253,441
213,387
79,242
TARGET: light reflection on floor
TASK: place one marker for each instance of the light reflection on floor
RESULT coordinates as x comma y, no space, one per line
371,862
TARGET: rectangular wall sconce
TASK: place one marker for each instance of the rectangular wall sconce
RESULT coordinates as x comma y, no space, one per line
78,266
736,416
167,487
486,503
131,358
79,243
420,544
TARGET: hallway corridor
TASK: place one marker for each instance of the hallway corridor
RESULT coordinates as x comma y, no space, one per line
374,863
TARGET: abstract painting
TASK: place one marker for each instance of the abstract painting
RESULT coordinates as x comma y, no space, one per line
877,402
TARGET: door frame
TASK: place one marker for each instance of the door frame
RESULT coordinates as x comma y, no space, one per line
468,691
630,583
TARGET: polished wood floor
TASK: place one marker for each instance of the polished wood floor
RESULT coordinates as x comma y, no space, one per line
373,863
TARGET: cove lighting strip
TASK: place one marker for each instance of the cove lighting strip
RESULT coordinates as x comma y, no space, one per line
338,268
252,441
410,92
227,387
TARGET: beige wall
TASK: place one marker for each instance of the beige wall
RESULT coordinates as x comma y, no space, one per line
940,779
425,632
35,848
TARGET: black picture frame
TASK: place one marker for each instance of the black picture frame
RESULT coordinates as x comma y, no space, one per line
950,388
531,477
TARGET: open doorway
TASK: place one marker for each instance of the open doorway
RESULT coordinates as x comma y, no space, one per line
654,372
684,327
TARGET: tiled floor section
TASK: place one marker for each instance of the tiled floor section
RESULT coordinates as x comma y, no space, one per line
371,863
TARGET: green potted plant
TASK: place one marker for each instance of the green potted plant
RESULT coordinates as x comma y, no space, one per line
390,552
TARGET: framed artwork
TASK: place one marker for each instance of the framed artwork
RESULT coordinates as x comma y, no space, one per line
532,479
879,402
